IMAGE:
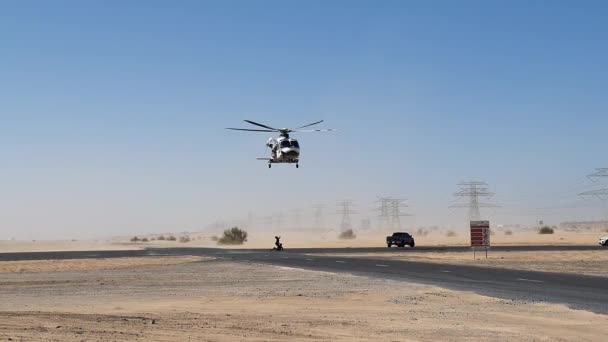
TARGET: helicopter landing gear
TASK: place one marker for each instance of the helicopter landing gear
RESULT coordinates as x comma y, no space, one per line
297,166
269,165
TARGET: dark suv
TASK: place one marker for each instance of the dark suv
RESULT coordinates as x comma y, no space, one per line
400,239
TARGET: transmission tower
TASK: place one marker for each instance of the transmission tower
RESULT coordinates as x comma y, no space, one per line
366,224
319,216
474,190
601,194
599,172
345,211
278,220
297,218
250,220
390,211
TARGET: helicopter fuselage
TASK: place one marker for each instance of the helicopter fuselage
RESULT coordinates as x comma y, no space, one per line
284,150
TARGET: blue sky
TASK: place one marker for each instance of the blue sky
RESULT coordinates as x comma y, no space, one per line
113,111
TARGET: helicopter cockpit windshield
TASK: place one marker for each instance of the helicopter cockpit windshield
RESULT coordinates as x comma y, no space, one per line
290,143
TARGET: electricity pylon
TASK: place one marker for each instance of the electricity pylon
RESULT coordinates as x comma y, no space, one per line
601,194
346,211
474,190
390,211
319,216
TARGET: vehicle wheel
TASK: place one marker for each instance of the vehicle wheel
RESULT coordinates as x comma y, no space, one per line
297,166
402,245
412,244
269,166
389,245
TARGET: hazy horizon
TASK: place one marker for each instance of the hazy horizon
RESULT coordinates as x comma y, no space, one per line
113,113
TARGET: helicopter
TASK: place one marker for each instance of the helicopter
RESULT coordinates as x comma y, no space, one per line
283,149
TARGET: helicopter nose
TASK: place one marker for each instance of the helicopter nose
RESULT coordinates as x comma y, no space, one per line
290,152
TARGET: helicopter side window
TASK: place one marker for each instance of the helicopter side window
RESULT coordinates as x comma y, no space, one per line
295,144
285,143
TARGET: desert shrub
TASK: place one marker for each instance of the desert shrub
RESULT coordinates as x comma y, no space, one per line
184,239
171,238
214,238
348,234
152,239
546,230
161,238
134,239
422,232
450,233
144,240
233,236
508,232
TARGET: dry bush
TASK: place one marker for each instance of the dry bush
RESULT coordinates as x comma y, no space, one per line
348,234
214,238
161,238
184,239
546,230
233,236
134,239
508,232
144,240
171,238
422,232
451,233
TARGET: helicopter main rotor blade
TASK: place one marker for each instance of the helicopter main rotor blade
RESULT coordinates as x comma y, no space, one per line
251,130
315,130
259,124
312,124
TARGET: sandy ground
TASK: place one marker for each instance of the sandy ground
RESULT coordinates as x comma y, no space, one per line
89,264
215,300
579,262
9,246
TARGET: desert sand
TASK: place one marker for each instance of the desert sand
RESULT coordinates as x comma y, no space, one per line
304,239
30,266
214,300
10,246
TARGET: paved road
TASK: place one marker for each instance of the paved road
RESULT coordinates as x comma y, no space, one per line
170,251
576,291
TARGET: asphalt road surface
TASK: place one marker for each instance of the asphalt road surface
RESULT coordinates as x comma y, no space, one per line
575,291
